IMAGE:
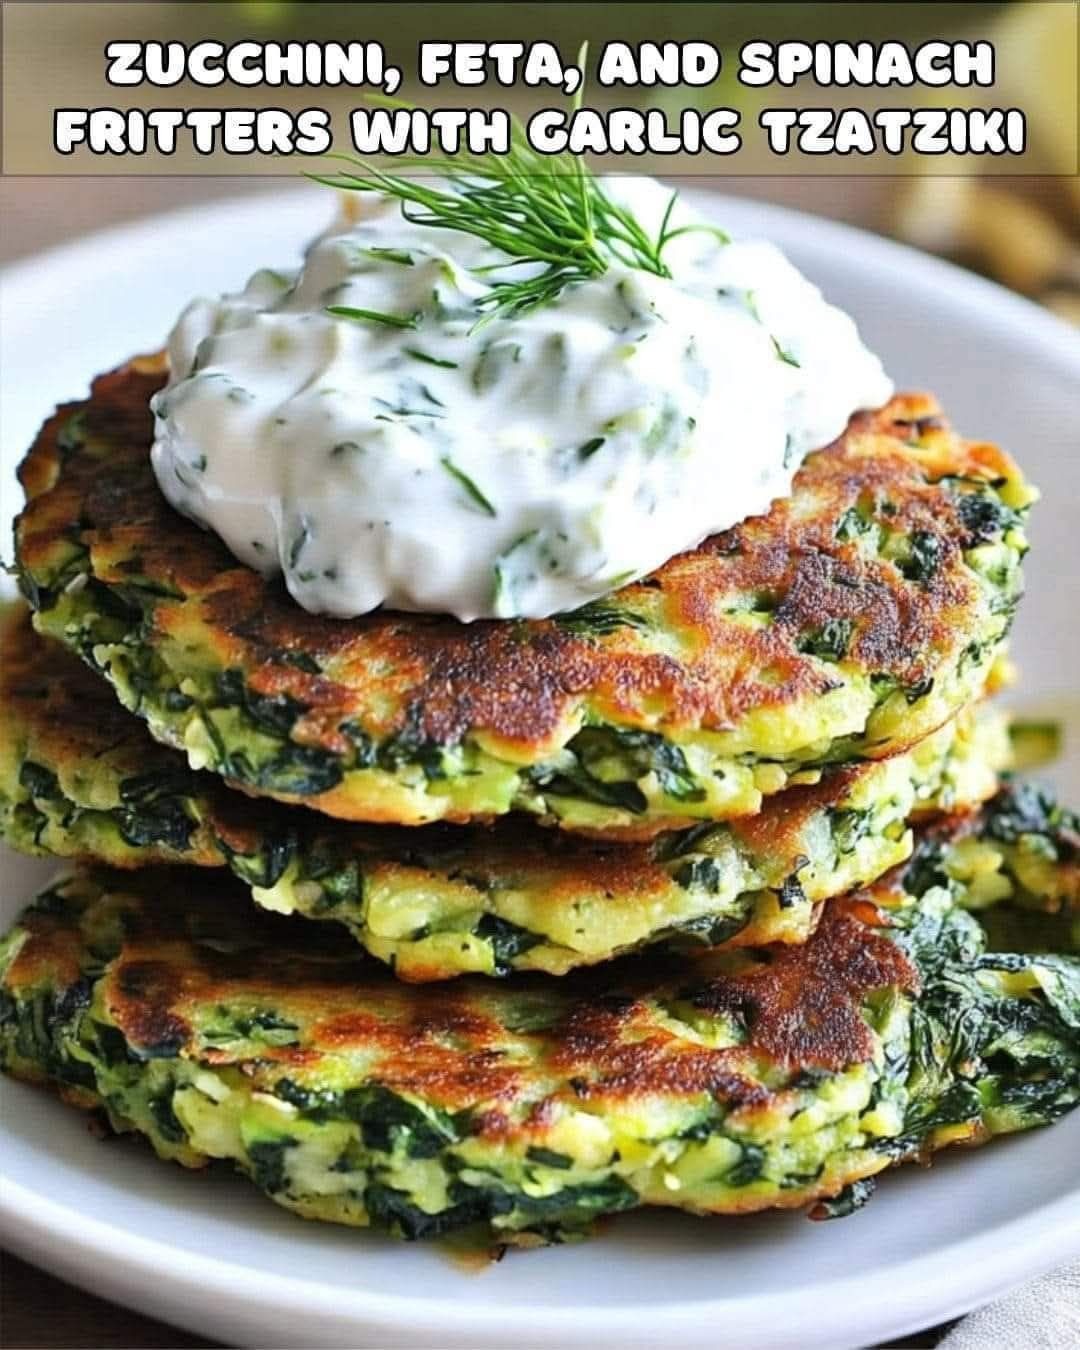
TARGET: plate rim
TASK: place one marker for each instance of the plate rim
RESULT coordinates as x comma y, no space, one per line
1040,324
1050,1231
847,1310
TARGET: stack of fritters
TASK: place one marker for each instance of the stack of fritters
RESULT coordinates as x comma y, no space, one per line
765,809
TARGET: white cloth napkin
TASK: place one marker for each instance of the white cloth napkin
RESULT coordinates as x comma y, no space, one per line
1042,1315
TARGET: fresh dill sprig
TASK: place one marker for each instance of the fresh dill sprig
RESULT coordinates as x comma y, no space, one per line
521,206
564,222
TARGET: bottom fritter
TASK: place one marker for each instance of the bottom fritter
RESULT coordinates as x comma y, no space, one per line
735,1081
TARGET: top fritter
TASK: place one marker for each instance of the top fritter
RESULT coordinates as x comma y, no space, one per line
850,621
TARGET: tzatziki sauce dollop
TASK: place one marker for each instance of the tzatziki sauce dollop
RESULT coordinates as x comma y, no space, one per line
424,460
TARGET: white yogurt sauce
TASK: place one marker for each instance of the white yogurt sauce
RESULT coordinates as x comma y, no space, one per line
517,468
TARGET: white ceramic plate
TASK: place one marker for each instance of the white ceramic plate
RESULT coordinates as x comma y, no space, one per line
215,1257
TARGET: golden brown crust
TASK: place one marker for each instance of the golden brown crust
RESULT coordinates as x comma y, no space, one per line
804,1003
189,952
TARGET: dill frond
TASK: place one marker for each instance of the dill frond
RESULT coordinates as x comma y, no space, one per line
562,221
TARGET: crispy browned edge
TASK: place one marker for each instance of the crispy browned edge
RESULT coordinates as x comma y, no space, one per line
802,1007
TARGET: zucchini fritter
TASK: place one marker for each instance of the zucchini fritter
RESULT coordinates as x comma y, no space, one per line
80,777
848,623
732,1082
1023,847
